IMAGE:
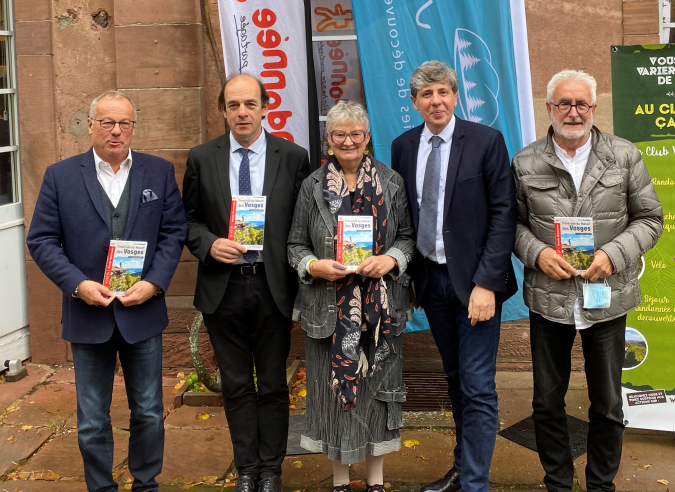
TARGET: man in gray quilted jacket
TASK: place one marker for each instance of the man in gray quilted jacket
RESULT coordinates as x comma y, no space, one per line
578,171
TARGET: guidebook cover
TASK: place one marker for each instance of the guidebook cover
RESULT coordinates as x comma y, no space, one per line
354,240
124,265
247,221
574,241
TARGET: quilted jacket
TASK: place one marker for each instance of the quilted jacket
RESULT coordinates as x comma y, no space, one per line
616,191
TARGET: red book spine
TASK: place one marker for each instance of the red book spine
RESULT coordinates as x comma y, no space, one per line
233,220
340,229
558,238
108,266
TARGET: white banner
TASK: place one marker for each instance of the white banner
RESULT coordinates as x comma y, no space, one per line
266,38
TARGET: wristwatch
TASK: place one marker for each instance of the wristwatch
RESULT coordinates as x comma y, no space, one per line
75,294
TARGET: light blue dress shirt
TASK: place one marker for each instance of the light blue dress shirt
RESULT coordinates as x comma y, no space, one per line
422,155
256,160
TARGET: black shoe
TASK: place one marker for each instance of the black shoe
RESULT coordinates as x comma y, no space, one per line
246,483
376,488
270,484
342,488
449,483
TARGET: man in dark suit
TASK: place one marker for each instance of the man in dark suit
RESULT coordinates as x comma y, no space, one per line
457,172
247,297
85,201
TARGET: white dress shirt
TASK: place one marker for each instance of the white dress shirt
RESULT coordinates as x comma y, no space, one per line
438,255
111,182
576,166
256,162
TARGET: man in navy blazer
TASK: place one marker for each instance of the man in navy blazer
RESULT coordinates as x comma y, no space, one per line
457,172
85,201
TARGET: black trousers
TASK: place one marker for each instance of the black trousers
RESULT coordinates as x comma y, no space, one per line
247,329
604,352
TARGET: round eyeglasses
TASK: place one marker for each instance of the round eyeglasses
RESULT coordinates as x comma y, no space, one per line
565,108
339,136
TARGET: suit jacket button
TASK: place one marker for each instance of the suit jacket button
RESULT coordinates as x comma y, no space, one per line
117,237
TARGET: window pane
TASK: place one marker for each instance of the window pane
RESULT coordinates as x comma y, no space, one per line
338,73
7,194
332,17
4,74
3,5
6,120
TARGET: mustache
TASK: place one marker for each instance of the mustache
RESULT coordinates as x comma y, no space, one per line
573,119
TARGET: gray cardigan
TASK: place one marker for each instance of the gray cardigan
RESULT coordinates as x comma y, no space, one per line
312,237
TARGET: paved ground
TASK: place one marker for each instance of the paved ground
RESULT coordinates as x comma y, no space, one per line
39,453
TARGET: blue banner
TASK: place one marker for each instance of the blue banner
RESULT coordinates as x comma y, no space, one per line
476,39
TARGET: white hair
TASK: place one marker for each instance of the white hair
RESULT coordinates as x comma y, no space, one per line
566,75
344,111
110,95
433,72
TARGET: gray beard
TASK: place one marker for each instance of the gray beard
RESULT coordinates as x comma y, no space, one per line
559,128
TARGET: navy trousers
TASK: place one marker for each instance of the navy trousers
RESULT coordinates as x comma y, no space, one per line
469,356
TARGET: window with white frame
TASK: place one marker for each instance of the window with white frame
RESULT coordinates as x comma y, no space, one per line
667,21
336,58
9,181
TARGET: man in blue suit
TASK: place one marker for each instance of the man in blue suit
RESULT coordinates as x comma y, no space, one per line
457,172
85,201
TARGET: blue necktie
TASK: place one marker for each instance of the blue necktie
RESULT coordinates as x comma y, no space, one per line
245,189
426,232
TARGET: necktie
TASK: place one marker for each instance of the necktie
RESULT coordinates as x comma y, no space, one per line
245,189
426,233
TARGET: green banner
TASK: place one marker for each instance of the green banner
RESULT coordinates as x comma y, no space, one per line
643,93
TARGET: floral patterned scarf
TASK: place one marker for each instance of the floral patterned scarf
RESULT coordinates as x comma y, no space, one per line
363,337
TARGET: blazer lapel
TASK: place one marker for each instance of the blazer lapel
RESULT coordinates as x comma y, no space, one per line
327,217
272,160
91,182
413,149
453,164
135,190
222,159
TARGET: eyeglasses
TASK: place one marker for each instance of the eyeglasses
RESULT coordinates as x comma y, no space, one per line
565,108
339,136
108,125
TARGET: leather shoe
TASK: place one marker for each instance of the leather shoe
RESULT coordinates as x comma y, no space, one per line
270,484
246,483
449,483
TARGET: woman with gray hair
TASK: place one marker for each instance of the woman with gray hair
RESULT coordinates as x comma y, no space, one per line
353,319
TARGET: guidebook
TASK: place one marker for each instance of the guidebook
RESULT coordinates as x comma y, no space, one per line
247,221
354,240
124,265
574,241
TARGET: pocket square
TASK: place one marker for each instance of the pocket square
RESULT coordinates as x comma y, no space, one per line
148,196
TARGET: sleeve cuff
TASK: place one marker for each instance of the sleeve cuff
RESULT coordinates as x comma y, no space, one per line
305,277
401,262
615,256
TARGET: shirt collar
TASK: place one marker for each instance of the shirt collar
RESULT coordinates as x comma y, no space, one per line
580,150
256,147
100,162
446,133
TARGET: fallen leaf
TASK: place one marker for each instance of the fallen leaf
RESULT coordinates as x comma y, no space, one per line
387,485
293,407
423,458
302,393
178,385
297,464
228,484
48,475
293,398
355,483
180,375
201,416
635,459
187,485
585,386
448,415
662,481
208,480
643,467
127,486
26,427
209,439
131,479
411,443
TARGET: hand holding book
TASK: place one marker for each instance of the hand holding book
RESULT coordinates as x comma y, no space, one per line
376,266
601,267
554,265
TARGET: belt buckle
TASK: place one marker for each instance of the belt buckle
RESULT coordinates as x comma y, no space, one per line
249,269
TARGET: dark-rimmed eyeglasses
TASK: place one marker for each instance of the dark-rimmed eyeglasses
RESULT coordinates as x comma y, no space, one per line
339,136
108,125
565,108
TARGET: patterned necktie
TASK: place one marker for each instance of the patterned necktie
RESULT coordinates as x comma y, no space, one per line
245,189
426,233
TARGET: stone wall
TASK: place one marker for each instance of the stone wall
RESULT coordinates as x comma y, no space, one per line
160,53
